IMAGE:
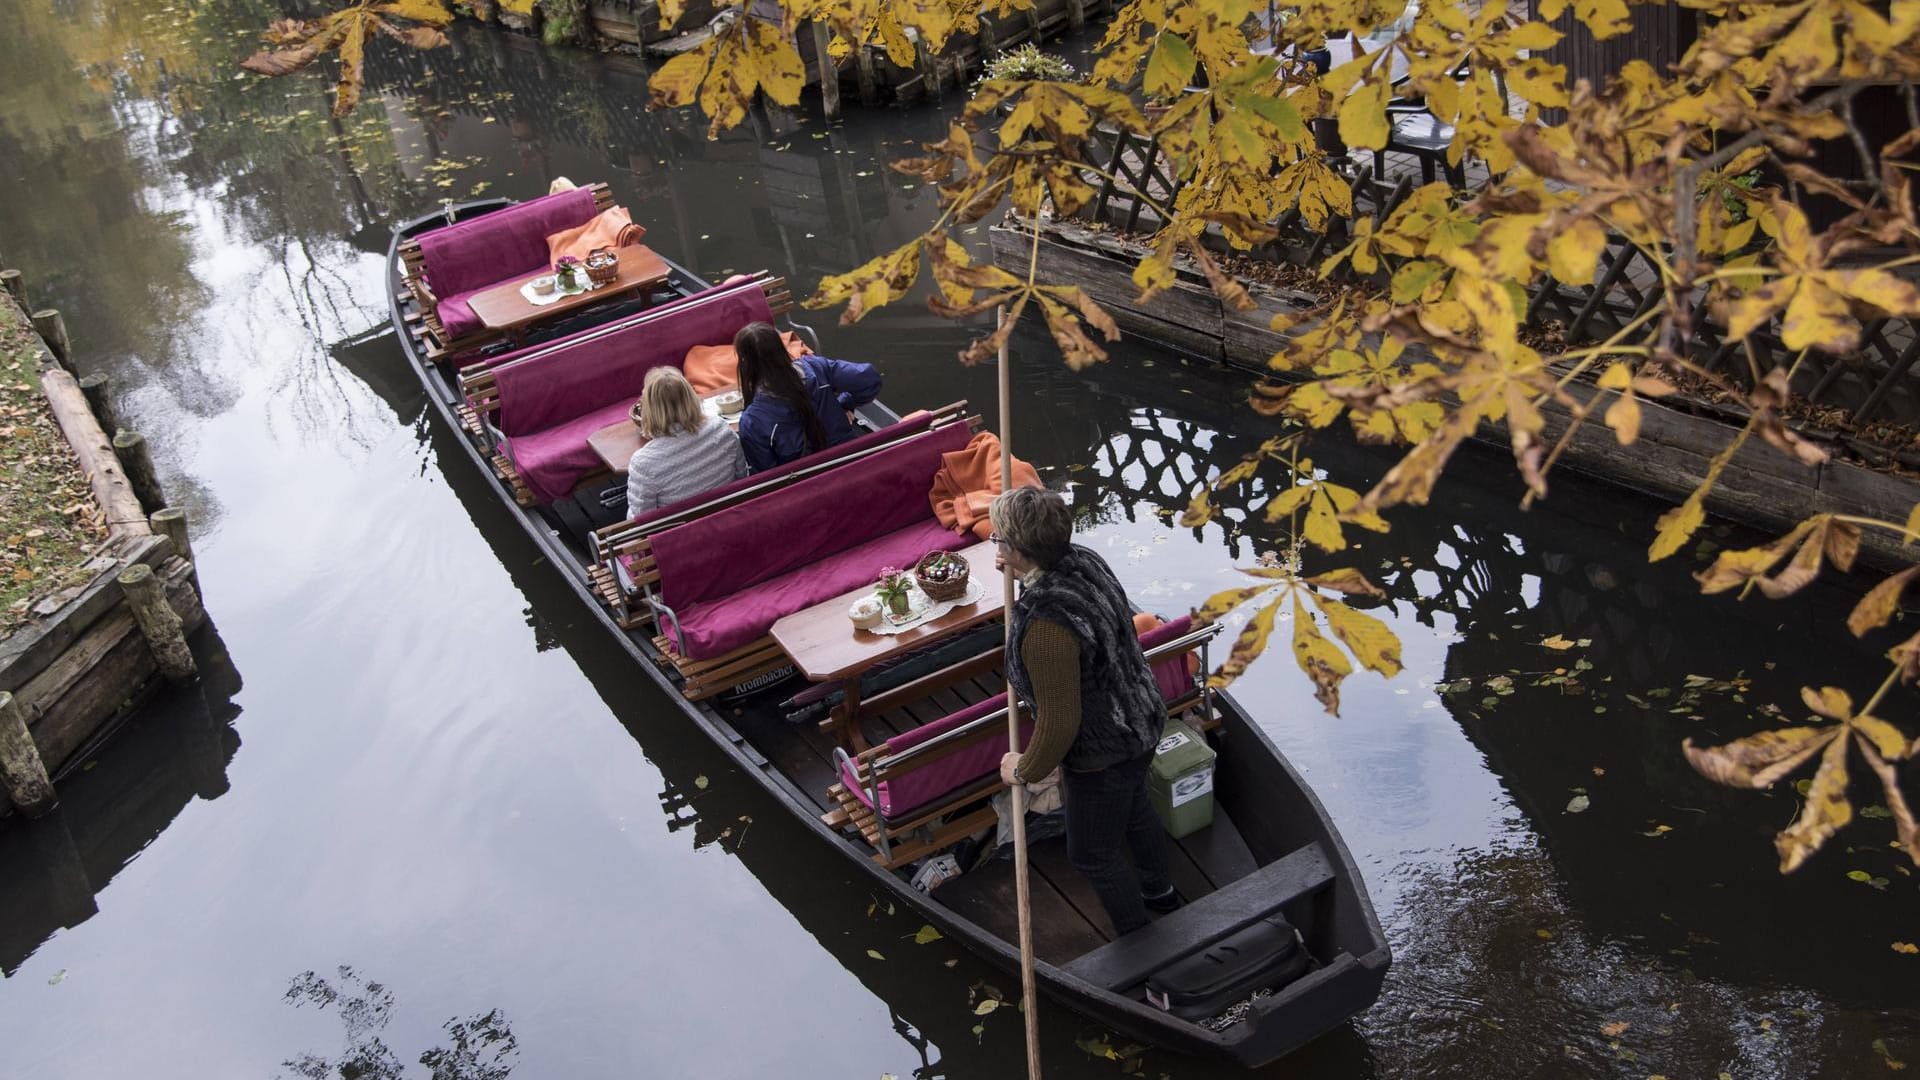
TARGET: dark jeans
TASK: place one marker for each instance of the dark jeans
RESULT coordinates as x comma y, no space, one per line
1108,818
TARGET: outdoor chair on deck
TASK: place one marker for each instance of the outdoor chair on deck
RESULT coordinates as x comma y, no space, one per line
444,267
910,796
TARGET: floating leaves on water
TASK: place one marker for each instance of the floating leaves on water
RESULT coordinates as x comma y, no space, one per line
1543,934
926,934
952,963
1578,804
57,977
986,1006
1658,830
700,782
1612,1030
875,953
1560,644
1906,947
1880,1047
1865,878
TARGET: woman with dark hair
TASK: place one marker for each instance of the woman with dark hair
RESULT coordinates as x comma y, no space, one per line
1097,711
794,407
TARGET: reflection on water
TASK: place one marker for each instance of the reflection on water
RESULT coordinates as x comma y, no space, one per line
479,1047
449,769
175,749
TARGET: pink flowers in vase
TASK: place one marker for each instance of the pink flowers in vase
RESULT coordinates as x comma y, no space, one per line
572,276
892,588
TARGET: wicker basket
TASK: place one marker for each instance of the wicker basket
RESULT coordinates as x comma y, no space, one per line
953,588
603,265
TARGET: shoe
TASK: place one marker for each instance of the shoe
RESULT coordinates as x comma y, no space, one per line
1165,903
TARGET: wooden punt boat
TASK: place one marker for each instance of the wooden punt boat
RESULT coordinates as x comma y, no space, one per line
1271,849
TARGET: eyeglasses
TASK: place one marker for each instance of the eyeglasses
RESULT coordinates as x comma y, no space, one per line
996,538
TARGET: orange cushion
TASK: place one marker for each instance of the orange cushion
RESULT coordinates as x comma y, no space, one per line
712,368
611,227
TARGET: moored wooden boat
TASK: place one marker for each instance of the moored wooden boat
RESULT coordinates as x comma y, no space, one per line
1270,850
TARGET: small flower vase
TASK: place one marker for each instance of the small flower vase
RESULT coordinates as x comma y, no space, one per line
898,602
569,277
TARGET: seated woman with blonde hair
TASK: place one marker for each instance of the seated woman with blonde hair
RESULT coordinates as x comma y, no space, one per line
686,452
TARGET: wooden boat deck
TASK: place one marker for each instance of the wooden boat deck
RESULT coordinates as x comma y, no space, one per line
1067,917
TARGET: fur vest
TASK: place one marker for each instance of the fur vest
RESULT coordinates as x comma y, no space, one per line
1120,704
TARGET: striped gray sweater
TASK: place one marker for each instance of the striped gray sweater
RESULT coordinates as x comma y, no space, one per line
675,467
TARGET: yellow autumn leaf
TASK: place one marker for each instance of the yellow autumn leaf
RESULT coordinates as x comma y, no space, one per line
1370,640
1363,116
1323,661
1575,249
1825,813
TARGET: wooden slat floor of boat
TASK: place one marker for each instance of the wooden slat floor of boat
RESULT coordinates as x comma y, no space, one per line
1200,863
986,896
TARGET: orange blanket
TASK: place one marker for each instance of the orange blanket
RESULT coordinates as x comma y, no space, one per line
712,368
611,227
967,482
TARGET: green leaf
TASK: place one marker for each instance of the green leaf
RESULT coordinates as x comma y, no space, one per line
926,934
1170,68
1411,280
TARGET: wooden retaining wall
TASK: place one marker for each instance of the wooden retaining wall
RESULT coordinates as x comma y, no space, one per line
92,651
1760,486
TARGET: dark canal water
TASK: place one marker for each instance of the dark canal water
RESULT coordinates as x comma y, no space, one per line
417,772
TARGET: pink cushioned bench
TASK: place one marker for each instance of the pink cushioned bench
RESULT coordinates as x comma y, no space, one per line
727,577
448,265
937,768
546,401
627,545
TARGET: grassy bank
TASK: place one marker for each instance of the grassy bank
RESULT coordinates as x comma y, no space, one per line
47,515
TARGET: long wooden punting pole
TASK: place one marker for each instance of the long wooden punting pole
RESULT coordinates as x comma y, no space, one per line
1029,1001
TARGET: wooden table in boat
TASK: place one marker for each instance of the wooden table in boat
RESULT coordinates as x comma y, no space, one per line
616,442
504,309
825,646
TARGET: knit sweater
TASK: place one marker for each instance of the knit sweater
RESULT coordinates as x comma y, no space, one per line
1119,704
674,467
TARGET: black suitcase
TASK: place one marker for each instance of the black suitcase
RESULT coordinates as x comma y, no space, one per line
1264,956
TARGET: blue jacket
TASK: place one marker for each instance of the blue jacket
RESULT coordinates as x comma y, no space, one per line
772,434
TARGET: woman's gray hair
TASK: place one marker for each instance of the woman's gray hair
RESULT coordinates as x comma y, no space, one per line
1034,522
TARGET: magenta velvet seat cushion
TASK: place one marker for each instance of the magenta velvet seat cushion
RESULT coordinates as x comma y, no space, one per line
1173,673
456,315
916,787
804,523
720,625
495,247
920,787
554,395
907,425
553,461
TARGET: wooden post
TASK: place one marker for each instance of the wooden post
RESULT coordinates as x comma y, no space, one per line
21,769
171,522
829,71
158,622
1076,14
1029,999
868,78
131,448
97,387
53,330
16,285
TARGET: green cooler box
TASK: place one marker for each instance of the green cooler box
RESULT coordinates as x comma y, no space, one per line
1181,781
